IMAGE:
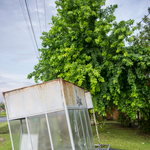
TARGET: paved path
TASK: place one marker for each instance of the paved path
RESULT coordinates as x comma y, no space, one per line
3,119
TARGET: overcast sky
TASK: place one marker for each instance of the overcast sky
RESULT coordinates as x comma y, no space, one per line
18,53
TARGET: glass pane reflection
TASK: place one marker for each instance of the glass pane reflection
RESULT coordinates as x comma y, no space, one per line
89,128
20,134
83,137
86,132
59,131
39,133
74,128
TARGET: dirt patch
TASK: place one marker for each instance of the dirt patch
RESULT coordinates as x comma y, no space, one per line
1,139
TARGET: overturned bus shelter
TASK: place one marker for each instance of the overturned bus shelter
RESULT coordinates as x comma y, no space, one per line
49,116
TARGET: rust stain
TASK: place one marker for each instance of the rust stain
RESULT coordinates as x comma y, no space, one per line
69,93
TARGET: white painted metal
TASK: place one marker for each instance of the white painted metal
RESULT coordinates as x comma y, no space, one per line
56,95
89,100
9,126
67,116
10,136
41,113
29,133
49,132
34,99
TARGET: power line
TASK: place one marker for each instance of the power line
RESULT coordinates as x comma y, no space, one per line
5,83
38,15
31,25
26,20
45,14
143,19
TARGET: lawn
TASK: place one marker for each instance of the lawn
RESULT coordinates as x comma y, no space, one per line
3,114
122,137
113,134
5,143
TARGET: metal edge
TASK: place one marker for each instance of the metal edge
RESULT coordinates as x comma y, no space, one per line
49,132
10,135
87,129
67,115
29,132
75,85
77,107
7,114
86,113
82,128
30,86
36,114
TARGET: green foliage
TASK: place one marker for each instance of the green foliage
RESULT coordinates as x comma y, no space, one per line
144,125
2,105
143,38
86,46
124,119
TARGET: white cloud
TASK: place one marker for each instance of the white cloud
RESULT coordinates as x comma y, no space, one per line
130,9
17,52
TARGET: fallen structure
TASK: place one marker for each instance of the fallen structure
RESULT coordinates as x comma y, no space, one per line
49,116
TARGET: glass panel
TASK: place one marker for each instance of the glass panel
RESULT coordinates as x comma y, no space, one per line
39,133
81,140
20,134
89,128
87,138
59,131
74,128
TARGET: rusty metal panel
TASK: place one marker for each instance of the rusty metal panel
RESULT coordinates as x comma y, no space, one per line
34,99
74,95
89,100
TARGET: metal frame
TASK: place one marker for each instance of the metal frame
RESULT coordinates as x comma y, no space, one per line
65,109
100,145
29,133
67,115
82,128
49,132
37,114
10,135
9,125
87,129
90,125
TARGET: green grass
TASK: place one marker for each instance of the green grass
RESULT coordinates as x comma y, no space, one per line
3,114
5,143
123,138
113,134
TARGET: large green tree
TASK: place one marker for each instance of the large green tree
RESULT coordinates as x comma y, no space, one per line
86,46
142,39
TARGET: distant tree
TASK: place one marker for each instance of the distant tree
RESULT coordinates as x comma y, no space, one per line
86,46
2,105
142,39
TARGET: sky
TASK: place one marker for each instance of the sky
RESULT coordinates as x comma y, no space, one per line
18,51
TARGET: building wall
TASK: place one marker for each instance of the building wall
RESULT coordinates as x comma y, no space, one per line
113,115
